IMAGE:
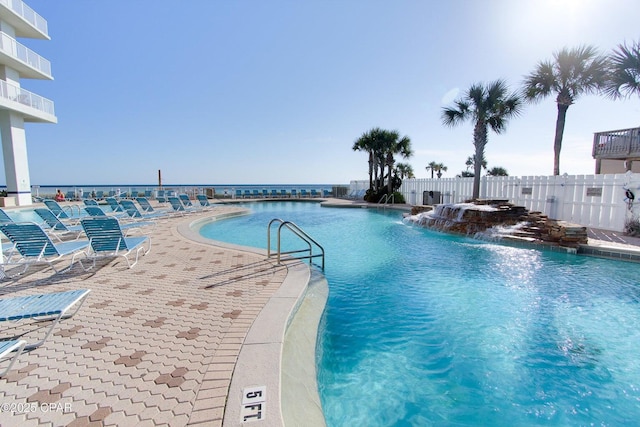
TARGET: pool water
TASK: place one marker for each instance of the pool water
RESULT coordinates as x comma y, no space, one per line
423,328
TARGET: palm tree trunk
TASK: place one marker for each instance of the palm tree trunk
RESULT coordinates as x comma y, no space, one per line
375,173
390,165
557,142
479,142
370,170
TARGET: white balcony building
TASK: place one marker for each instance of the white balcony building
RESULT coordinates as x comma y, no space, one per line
617,151
17,106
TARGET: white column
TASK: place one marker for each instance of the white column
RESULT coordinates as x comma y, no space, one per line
14,151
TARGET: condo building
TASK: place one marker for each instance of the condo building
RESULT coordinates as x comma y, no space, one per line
17,105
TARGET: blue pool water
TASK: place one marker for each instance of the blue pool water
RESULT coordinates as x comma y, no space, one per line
423,328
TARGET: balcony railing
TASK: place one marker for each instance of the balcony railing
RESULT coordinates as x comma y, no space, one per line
13,48
28,14
617,144
24,97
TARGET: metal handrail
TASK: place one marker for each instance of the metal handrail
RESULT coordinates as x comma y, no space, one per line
301,234
385,199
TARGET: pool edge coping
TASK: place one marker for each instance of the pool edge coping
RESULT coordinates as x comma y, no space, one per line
263,345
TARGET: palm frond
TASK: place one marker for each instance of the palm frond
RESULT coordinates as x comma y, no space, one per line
540,83
624,71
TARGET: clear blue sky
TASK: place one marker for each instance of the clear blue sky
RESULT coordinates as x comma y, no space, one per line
223,92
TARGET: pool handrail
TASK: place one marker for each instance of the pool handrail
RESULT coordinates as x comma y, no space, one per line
310,241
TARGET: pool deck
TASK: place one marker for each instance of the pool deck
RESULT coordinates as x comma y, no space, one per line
155,345
173,341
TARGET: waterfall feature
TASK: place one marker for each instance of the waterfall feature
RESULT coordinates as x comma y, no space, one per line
498,219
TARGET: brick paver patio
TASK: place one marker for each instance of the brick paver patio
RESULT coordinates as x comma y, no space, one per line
154,345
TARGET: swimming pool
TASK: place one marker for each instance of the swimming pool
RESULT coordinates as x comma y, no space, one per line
423,328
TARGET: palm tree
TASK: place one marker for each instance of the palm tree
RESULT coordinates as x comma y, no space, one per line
497,171
440,168
572,73
393,144
624,71
436,168
471,160
432,167
404,170
382,145
486,107
370,142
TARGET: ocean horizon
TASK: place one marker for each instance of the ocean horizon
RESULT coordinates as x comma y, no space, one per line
222,189
183,185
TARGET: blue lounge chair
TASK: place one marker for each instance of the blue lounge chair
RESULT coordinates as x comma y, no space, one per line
96,211
56,227
283,193
68,212
185,200
99,195
41,307
247,193
161,197
303,193
146,207
6,348
132,210
31,245
4,217
294,193
113,204
326,193
178,207
106,239
188,204
238,194
90,202
314,193
204,201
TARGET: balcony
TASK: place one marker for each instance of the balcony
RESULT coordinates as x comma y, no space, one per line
26,21
34,108
617,144
22,59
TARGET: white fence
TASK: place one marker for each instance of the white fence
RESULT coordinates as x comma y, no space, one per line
598,201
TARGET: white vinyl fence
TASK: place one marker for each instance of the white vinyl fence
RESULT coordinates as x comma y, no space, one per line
598,201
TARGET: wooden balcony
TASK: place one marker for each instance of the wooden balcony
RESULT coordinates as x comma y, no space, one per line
621,144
